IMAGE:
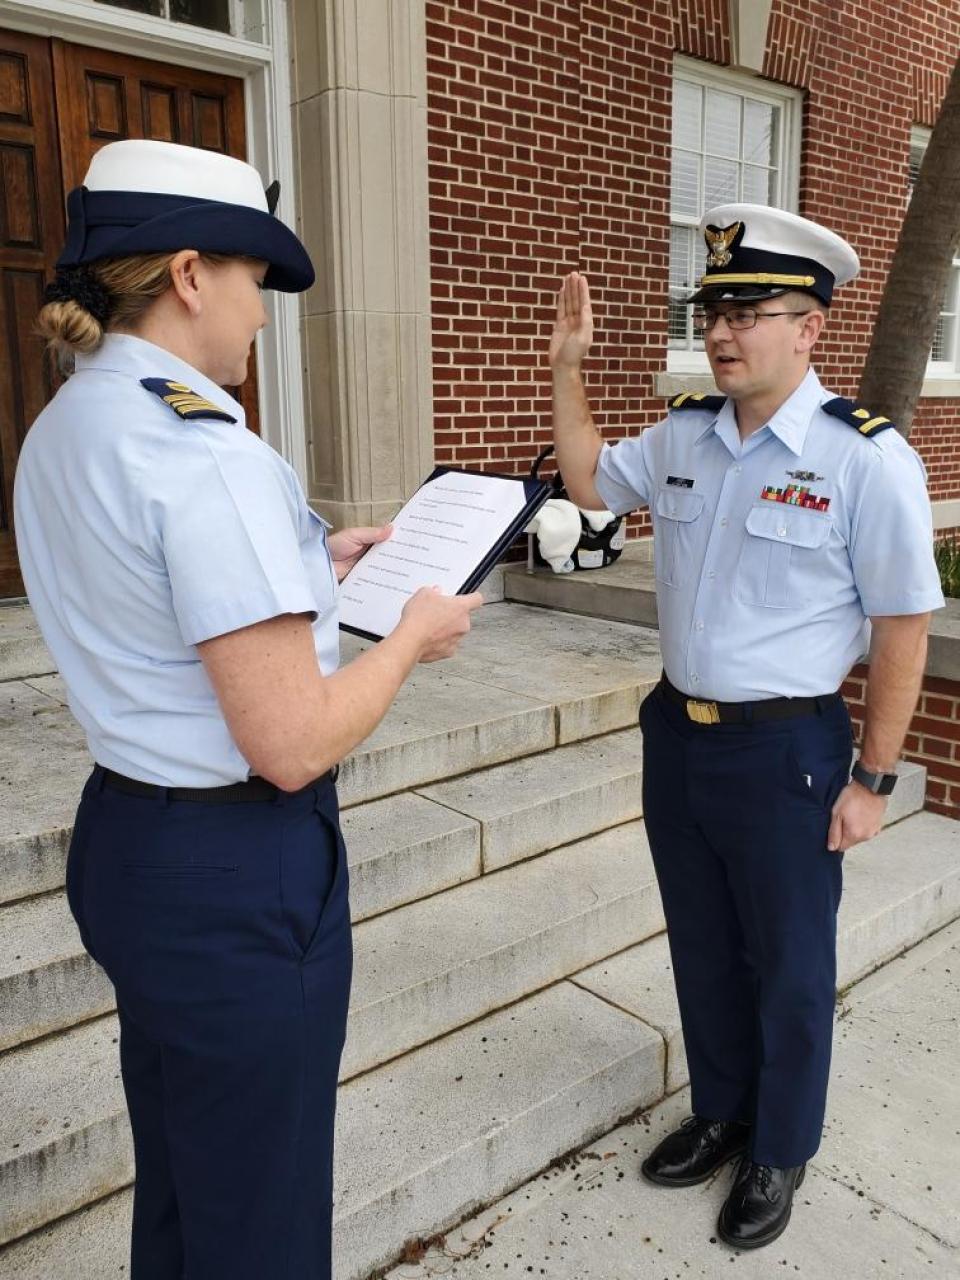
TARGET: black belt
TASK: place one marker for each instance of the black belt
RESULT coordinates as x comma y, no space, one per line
234,793
704,712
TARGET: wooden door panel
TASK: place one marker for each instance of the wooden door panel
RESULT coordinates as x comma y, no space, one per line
31,233
159,112
107,96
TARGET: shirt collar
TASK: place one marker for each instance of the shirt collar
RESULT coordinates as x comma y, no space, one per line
123,353
789,424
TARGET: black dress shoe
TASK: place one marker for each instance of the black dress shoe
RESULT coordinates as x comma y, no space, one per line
758,1207
694,1151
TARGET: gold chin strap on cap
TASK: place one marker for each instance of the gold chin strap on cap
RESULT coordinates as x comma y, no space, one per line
758,277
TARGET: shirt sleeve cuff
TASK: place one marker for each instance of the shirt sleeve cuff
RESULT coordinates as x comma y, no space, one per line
617,497
223,616
903,605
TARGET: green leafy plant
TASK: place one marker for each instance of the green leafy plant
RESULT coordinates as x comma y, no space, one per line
947,555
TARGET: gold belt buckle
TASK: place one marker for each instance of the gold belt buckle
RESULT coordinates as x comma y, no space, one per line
703,712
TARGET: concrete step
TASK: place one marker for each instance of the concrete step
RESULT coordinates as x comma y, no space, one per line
623,592
438,964
43,766
530,805
401,849
22,651
899,889
422,1141
527,681
405,848
67,1140
47,980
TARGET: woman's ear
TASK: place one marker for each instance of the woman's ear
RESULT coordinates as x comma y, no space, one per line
185,269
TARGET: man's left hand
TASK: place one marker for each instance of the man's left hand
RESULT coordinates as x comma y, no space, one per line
348,545
857,816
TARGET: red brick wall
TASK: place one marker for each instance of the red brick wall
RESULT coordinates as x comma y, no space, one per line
933,740
549,136
549,133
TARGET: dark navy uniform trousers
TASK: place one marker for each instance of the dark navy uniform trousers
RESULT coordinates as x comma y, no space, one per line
225,929
737,817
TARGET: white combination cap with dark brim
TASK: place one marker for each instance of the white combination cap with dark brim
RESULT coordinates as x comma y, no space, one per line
143,196
756,252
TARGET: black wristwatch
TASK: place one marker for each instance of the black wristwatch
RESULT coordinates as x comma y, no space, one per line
881,784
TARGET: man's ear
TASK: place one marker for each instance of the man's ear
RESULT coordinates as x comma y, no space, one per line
809,329
185,268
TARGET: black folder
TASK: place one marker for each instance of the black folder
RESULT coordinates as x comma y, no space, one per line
536,493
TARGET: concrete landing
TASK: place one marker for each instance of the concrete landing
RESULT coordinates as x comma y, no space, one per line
879,1199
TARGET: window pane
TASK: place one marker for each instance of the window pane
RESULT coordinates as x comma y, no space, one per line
722,133
759,185
719,183
154,7
944,341
212,14
681,285
699,258
759,134
916,160
680,241
687,106
685,194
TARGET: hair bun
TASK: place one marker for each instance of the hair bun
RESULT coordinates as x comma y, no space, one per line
80,285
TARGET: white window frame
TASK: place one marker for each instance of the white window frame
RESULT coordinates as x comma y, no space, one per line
261,57
790,103
946,371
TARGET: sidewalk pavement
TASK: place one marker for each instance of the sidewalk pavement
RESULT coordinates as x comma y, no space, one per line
881,1200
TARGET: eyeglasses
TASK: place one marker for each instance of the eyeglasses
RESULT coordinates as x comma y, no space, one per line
737,317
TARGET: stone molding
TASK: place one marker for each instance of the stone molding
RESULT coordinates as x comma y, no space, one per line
748,23
360,125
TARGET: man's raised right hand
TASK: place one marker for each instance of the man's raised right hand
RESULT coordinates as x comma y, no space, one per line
573,328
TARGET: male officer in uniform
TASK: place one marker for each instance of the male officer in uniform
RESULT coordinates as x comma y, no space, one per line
784,519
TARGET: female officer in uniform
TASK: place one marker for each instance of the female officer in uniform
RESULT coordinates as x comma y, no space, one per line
188,595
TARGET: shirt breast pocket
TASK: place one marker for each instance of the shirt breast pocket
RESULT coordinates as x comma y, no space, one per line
781,560
677,512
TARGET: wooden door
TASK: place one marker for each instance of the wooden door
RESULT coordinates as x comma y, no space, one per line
59,103
31,234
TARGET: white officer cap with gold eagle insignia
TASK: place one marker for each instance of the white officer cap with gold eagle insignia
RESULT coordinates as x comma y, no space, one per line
756,252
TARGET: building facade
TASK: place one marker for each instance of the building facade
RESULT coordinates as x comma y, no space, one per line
594,135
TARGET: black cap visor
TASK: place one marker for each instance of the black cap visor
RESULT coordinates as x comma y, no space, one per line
119,224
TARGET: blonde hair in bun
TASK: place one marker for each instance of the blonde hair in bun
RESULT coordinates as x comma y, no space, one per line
84,303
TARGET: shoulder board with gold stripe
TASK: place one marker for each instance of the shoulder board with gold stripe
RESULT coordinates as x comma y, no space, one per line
184,402
698,400
869,424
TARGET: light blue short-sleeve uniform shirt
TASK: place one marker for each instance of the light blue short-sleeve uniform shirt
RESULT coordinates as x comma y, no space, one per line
759,597
142,534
